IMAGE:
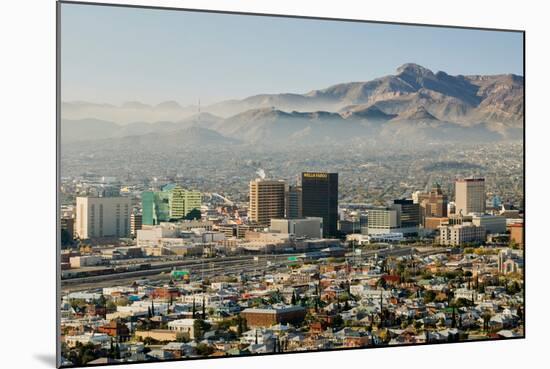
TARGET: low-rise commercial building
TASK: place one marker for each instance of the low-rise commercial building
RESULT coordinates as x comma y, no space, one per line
310,227
85,260
460,234
256,317
185,326
492,223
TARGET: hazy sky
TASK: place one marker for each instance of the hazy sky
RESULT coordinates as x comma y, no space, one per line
112,54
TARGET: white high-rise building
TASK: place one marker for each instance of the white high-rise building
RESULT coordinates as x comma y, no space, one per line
98,217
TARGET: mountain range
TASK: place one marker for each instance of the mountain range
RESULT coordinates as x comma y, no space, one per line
412,104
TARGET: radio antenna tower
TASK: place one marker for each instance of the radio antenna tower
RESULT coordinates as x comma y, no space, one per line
199,119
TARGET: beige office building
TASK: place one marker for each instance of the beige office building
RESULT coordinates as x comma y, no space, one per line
98,217
383,221
267,201
470,196
459,234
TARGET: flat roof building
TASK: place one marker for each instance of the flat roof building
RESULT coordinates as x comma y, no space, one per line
267,201
171,203
293,202
460,234
256,317
136,222
433,204
310,227
470,196
493,223
98,217
320,199
409,212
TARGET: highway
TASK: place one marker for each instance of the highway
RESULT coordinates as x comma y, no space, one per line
196,267
202,268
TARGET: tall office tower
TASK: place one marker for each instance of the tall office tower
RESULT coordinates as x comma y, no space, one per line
293,202
267,201
171,203
98,217
409,212
320,199
136,222
470,196
433,203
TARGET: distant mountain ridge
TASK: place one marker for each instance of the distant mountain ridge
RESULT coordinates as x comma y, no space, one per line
412,104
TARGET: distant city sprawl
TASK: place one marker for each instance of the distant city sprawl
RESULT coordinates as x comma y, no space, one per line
237,253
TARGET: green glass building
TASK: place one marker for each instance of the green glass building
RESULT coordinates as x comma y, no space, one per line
171,203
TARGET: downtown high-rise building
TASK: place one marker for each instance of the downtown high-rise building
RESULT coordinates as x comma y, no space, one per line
470,196
293,202
409,212
320,199
171,203
98,217
433,204
267,201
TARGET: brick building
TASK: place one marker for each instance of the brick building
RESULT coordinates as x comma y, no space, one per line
116,329
256,317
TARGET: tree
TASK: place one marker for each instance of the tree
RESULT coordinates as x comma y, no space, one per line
182,337
453,324
193,215
117,351
337,321
194,309
240,325
102,301
203,315
204,349
293,299
200,327
110,306
86,352
66,238
461,302
429,296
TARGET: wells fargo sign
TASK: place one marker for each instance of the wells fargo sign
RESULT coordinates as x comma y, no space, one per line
315,175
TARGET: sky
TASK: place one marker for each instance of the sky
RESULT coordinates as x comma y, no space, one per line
118,54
